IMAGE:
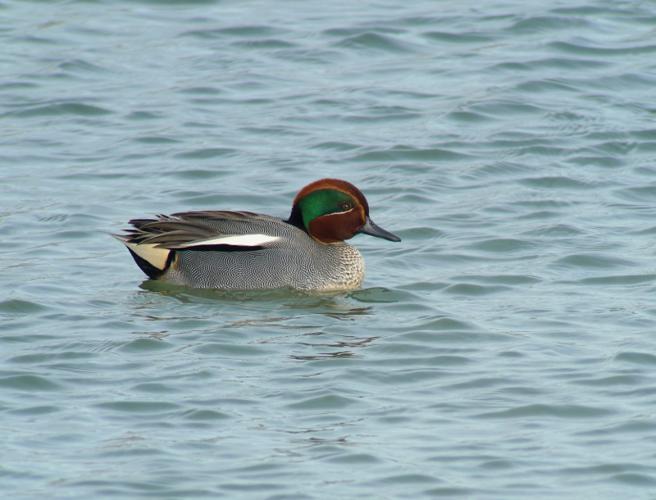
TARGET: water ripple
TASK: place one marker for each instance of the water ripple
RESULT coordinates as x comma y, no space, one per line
58,109
560,411
504,349
28,383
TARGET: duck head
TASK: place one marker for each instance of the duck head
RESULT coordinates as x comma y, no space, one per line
332,210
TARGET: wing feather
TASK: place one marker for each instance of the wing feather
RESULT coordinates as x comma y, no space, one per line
189,230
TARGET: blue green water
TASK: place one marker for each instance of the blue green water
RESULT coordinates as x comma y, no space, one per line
505,349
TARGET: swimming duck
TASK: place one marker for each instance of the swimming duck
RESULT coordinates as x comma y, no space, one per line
245,250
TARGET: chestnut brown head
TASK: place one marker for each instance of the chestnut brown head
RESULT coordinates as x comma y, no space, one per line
333,210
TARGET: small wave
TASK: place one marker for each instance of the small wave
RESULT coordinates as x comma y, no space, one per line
642,194
146,345
592,261
142,407
634,479
202,415
206,153
460,38
21,307
57,109
639,358
325,402
80,66
542,24
618,280
28,383
269,43
398,153
472,289
556,182
245,31
375,42
468,117
501,245
544,410
588,50
499,279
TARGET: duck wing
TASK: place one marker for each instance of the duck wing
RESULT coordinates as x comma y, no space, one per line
153,242
207,230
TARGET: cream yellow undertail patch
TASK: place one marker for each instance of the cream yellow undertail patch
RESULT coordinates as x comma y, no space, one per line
151,253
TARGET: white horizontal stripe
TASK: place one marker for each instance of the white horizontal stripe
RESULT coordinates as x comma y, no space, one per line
243,240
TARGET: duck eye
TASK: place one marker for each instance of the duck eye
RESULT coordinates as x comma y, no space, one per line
346,205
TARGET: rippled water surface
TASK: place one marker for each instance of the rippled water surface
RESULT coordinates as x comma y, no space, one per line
505,349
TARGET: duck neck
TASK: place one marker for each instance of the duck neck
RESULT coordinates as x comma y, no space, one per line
296,218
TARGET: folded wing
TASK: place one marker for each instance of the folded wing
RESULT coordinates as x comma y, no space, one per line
153,242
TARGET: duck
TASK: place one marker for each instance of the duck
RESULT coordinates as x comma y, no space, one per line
237,250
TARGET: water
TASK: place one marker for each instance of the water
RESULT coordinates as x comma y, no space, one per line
505,349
